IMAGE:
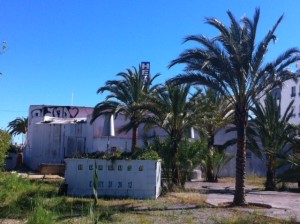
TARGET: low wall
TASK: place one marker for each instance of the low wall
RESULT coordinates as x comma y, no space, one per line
46,168
120,178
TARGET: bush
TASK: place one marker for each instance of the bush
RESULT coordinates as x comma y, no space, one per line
5,139
141,154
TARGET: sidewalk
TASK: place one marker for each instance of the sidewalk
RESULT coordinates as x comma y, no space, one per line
285,205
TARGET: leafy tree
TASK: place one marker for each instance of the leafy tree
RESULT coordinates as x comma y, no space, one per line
172,110
5,139
124,95
274,133
232,63
18,126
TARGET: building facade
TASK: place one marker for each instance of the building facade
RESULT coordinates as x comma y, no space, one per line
59,132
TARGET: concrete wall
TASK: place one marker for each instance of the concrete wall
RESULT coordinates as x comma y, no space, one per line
120,178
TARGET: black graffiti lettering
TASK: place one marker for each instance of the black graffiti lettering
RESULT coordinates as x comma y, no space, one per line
61,112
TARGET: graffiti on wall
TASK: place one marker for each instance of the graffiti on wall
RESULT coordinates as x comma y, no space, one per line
55,111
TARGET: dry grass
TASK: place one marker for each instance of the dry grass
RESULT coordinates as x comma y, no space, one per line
252,180
22,200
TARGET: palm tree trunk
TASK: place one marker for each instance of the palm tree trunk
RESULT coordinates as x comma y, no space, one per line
134,139
241,117
209,171
175,168
270,182
209,168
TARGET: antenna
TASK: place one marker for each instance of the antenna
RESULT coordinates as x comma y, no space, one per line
72,99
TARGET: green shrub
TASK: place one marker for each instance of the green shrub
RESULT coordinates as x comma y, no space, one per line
148,155
40,215
5,139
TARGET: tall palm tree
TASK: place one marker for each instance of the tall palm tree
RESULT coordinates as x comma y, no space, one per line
274,132
124,95
18,126
172,110
232,63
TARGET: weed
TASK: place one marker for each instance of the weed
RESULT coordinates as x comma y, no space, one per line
40,215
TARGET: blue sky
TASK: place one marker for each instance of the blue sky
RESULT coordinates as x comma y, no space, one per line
56,48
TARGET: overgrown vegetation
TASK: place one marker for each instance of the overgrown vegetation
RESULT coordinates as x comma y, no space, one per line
5,139
139,153
38,202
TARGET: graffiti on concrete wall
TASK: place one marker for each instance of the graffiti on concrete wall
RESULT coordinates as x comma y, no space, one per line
55,111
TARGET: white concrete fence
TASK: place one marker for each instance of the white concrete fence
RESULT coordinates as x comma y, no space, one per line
119,178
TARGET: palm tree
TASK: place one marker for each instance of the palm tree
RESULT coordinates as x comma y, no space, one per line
124,95
18,126
274,132
232,63
172,110
211,118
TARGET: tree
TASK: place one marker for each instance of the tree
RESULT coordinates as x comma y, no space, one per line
274,133
172,110
18,126
232,63
212,117
124,95
5,139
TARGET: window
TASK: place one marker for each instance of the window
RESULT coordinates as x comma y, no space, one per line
119,184
80,167
293,111
111,167
100,167
293,93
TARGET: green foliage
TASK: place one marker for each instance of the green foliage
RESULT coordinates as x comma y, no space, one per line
232,63
274,132
18,126
21,197
14,148
37,202
189,157
123,97
5,139
292,174
172,109
139,153
40,215
211,159
146,154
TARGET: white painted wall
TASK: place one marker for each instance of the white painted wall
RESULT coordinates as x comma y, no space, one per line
120,178
53,142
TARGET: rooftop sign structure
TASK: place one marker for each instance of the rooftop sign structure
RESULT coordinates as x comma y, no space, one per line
145,70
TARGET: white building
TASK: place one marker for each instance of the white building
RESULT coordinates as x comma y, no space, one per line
290,91
57,132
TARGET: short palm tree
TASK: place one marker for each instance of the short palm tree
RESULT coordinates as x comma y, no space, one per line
274,133
124,95
213,116
172,110
232,63
18,126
